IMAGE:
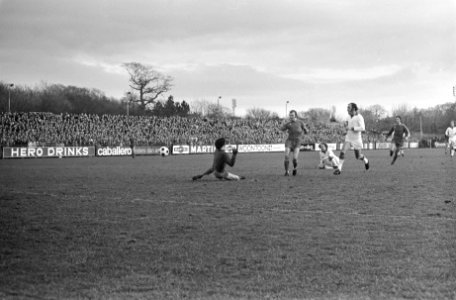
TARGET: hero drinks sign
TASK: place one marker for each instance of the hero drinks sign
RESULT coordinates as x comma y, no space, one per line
30,152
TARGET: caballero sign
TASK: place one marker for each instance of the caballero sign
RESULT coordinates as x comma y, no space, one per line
114,151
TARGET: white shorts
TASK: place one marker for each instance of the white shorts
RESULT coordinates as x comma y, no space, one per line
452,142
355,144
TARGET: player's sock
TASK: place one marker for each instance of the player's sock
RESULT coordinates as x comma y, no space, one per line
391,152
295,165
394,158
286,165
452,152
366,162
341,163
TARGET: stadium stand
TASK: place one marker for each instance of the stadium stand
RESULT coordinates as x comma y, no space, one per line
47,129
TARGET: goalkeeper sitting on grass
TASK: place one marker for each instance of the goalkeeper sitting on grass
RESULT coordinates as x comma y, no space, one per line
221,159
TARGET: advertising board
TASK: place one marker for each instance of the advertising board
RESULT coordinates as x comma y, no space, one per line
38,152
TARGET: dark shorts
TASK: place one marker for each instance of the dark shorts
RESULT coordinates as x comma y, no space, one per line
292,143
398,142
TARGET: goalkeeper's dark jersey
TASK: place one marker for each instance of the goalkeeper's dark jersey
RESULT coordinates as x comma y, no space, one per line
220,159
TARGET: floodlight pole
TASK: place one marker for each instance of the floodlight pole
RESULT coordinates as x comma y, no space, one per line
234,105
128,103
286,108
9,96
421,127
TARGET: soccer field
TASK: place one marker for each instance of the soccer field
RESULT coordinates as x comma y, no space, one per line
123,228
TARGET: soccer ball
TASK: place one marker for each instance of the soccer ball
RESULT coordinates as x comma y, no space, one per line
164,151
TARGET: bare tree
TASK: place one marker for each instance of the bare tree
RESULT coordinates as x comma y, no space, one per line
200,107
259,114
209,109
372,118
218,111
401,110
378,111
316,115
147,82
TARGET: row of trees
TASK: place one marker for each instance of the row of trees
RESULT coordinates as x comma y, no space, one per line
148,88
430,121
58,98
171,108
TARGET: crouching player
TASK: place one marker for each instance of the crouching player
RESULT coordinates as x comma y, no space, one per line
328,160
221,159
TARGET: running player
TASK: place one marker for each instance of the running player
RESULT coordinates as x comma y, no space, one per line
328,160
221,159
132,146
450,134
295,129
355,127
400,133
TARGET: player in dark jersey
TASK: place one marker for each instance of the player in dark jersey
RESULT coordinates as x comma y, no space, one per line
221,159
400,133
295,129
132,146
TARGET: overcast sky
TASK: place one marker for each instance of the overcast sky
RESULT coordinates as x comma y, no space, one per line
263,53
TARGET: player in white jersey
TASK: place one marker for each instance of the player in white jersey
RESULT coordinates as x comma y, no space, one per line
328,160
450,134
353,138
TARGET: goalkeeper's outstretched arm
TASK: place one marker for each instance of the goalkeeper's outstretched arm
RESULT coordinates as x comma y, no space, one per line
232,161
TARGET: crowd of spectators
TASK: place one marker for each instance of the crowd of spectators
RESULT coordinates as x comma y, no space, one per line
47,129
